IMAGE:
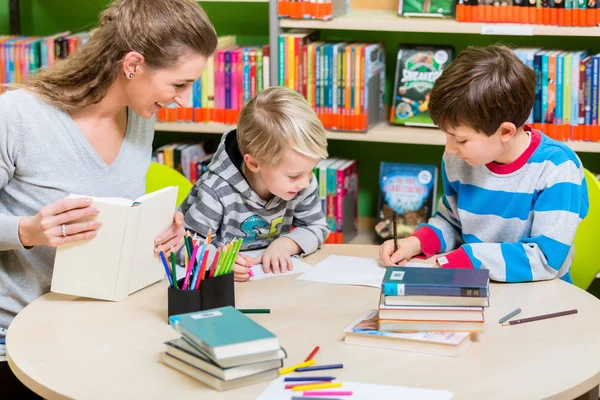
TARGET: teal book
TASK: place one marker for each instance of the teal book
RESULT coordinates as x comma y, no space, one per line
225,333
453,282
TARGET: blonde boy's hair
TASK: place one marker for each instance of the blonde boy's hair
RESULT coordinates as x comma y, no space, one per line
276,118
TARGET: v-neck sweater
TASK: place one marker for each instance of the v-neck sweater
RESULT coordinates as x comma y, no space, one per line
44,157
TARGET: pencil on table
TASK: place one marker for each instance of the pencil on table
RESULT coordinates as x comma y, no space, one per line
395,230
540,317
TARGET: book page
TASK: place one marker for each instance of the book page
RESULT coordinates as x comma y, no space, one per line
300,267
156,215
360,391
344,270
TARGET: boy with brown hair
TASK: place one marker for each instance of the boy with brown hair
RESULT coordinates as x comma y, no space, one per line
513,197
260,183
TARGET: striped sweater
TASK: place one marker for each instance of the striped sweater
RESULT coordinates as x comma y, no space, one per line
222,200
517,220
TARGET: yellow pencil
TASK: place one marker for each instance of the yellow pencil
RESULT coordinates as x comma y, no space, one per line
317,386
292,368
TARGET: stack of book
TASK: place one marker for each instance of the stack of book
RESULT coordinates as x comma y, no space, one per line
223,348
433,299
430,310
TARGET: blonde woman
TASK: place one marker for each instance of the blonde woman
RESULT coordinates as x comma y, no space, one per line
86,125
260,184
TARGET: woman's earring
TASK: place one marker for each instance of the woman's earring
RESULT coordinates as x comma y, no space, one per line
131,76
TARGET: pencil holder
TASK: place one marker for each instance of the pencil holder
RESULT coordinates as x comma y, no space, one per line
183,301
213,293
218,292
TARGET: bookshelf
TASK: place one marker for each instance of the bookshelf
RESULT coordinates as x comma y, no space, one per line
389,21
381,133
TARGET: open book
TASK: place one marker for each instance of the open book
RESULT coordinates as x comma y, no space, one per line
120,259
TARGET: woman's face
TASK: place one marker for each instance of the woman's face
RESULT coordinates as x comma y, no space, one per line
150,90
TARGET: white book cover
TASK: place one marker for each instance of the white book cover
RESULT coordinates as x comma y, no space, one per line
120,260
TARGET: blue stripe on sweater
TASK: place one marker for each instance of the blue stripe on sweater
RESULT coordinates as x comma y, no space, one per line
514,255
476,263
480,201
468,238
553,151
556,252
563,196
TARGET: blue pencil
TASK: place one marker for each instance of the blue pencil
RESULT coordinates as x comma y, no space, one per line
193,285
319,367
308,378
164,261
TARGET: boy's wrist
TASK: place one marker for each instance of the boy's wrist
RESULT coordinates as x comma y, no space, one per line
289,244
415,245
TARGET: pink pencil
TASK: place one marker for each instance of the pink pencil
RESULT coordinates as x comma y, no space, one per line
328,393
190,267
202,269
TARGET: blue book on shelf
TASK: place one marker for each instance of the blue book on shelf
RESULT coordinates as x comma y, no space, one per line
225,333
414,281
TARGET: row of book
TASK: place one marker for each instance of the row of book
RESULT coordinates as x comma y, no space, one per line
189,158
233,75
423,309
344,82
538,12
21,56
312,9
338,190
567,99
223,348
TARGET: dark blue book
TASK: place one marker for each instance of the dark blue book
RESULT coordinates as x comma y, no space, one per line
414,281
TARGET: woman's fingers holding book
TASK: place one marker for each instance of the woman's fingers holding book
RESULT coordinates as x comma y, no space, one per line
172,238
69,238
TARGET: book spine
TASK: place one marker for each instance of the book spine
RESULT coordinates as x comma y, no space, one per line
259,70
281,60
394,289
537,105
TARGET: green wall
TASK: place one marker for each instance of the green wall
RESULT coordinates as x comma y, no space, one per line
42,17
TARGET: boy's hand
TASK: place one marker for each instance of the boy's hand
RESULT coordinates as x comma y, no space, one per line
407,249
277,257
241,268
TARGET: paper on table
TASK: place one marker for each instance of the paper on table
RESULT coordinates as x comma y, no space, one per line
300,267
362,391
344,270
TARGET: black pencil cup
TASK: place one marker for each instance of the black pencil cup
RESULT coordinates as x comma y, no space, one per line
213,293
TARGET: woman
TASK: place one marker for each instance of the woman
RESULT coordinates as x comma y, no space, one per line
86,126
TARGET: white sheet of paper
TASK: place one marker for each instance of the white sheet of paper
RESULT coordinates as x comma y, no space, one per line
344,270
300,267
361,391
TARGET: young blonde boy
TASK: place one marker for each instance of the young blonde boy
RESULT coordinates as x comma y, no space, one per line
260,183
513,197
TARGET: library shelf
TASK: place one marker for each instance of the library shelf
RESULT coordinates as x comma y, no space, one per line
389,21
381,133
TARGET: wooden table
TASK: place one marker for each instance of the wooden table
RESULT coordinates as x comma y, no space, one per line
65,347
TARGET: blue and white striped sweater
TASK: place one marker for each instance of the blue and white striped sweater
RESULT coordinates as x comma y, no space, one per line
518,221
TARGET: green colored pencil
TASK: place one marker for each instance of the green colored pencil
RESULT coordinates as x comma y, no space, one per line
174,269
255,310
230,257
223,259
236,250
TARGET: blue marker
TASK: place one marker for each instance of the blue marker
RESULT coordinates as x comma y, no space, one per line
319,367
308,378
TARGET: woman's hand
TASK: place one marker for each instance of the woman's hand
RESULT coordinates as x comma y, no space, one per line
65,221
171,239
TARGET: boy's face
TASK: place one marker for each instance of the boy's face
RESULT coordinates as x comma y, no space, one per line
292,175
473,147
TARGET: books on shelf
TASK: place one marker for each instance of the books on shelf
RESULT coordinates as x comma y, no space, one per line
312,9
544,12
344,82
338,190
120,260
426,8
223,348
189,158
233,75
410,191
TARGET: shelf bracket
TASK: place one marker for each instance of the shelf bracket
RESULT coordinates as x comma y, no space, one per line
14,12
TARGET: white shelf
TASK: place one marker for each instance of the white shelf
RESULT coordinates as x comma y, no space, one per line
389,21
382,133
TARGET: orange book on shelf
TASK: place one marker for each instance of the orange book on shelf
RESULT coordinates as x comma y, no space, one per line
460,11
283,9
591,13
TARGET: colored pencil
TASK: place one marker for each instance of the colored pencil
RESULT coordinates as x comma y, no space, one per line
293,385
224,259
214,263
174,269
308,378
236,248
164,261
302,388
509,315
312,354
328,393
209,236
189,268
186,238
319,367
194,263
314,398
202,269
540,317
255,311
395,230
287,370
